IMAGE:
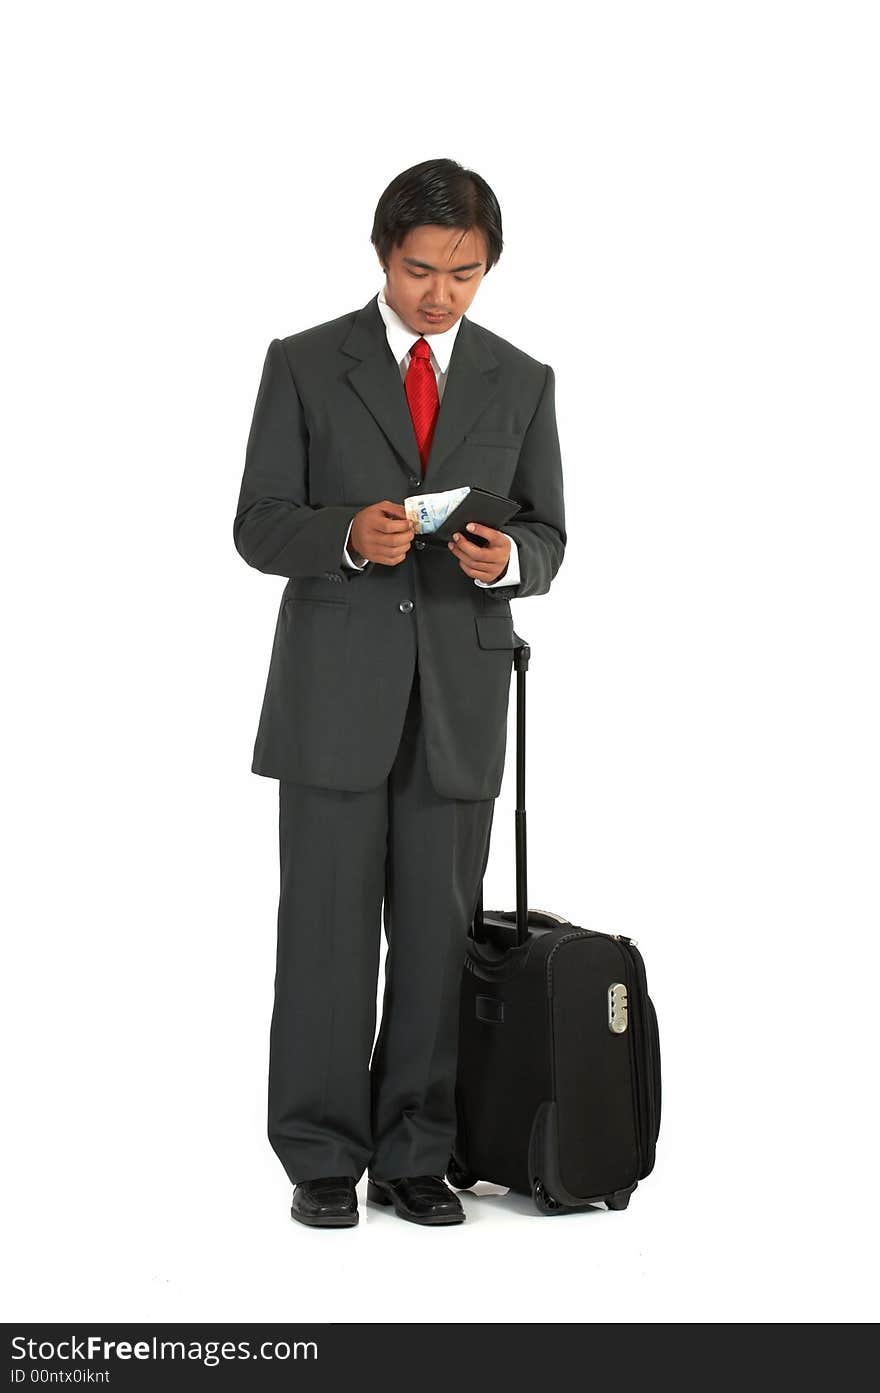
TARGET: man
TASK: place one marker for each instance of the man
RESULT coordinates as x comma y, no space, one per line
384,717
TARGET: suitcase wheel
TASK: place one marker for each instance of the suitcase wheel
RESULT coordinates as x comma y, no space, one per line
617,1202
459,1177
544,1201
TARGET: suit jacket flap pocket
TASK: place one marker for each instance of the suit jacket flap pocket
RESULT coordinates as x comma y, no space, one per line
495,631
316,590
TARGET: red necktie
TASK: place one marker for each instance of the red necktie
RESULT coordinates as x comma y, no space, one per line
420,386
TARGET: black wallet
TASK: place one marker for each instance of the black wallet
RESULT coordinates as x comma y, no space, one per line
480,505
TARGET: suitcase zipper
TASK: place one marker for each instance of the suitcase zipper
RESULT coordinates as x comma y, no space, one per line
566,938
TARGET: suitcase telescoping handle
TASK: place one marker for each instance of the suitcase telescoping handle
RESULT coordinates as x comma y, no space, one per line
521,655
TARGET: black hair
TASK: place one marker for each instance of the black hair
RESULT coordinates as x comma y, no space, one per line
441,192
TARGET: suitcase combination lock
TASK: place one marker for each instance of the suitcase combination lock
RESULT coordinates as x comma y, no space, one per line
617,1008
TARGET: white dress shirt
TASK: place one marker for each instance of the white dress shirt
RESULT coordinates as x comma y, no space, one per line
400,340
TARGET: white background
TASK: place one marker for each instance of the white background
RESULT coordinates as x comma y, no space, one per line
690,205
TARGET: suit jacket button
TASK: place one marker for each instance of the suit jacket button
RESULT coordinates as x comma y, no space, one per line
405,606
421,543
415,480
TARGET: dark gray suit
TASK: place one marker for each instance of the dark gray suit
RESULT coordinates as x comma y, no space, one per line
384,719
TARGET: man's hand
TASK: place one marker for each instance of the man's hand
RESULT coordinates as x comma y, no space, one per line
486,563
382,533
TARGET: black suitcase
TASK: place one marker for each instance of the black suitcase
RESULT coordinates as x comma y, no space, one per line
558,1083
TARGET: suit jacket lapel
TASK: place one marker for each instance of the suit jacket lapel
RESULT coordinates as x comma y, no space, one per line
471,383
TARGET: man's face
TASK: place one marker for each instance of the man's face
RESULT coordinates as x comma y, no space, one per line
435,268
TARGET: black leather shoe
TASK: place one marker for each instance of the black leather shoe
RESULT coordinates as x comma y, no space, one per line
423,1199
329,1204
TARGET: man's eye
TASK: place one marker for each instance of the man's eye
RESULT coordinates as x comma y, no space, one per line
417,277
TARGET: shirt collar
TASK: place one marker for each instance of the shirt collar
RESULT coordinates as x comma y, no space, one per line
401,338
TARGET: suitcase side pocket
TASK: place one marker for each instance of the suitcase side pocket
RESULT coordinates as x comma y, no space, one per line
655,1064
645,1058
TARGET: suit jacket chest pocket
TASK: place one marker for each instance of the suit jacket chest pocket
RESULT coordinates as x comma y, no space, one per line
490,458
494,440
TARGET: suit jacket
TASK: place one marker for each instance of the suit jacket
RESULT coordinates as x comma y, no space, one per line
331,434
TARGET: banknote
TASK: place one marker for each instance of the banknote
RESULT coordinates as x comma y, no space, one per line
428,511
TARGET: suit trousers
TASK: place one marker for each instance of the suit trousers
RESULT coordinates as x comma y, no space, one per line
399,854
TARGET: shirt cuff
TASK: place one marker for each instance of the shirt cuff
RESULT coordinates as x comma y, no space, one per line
346,559
510,577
